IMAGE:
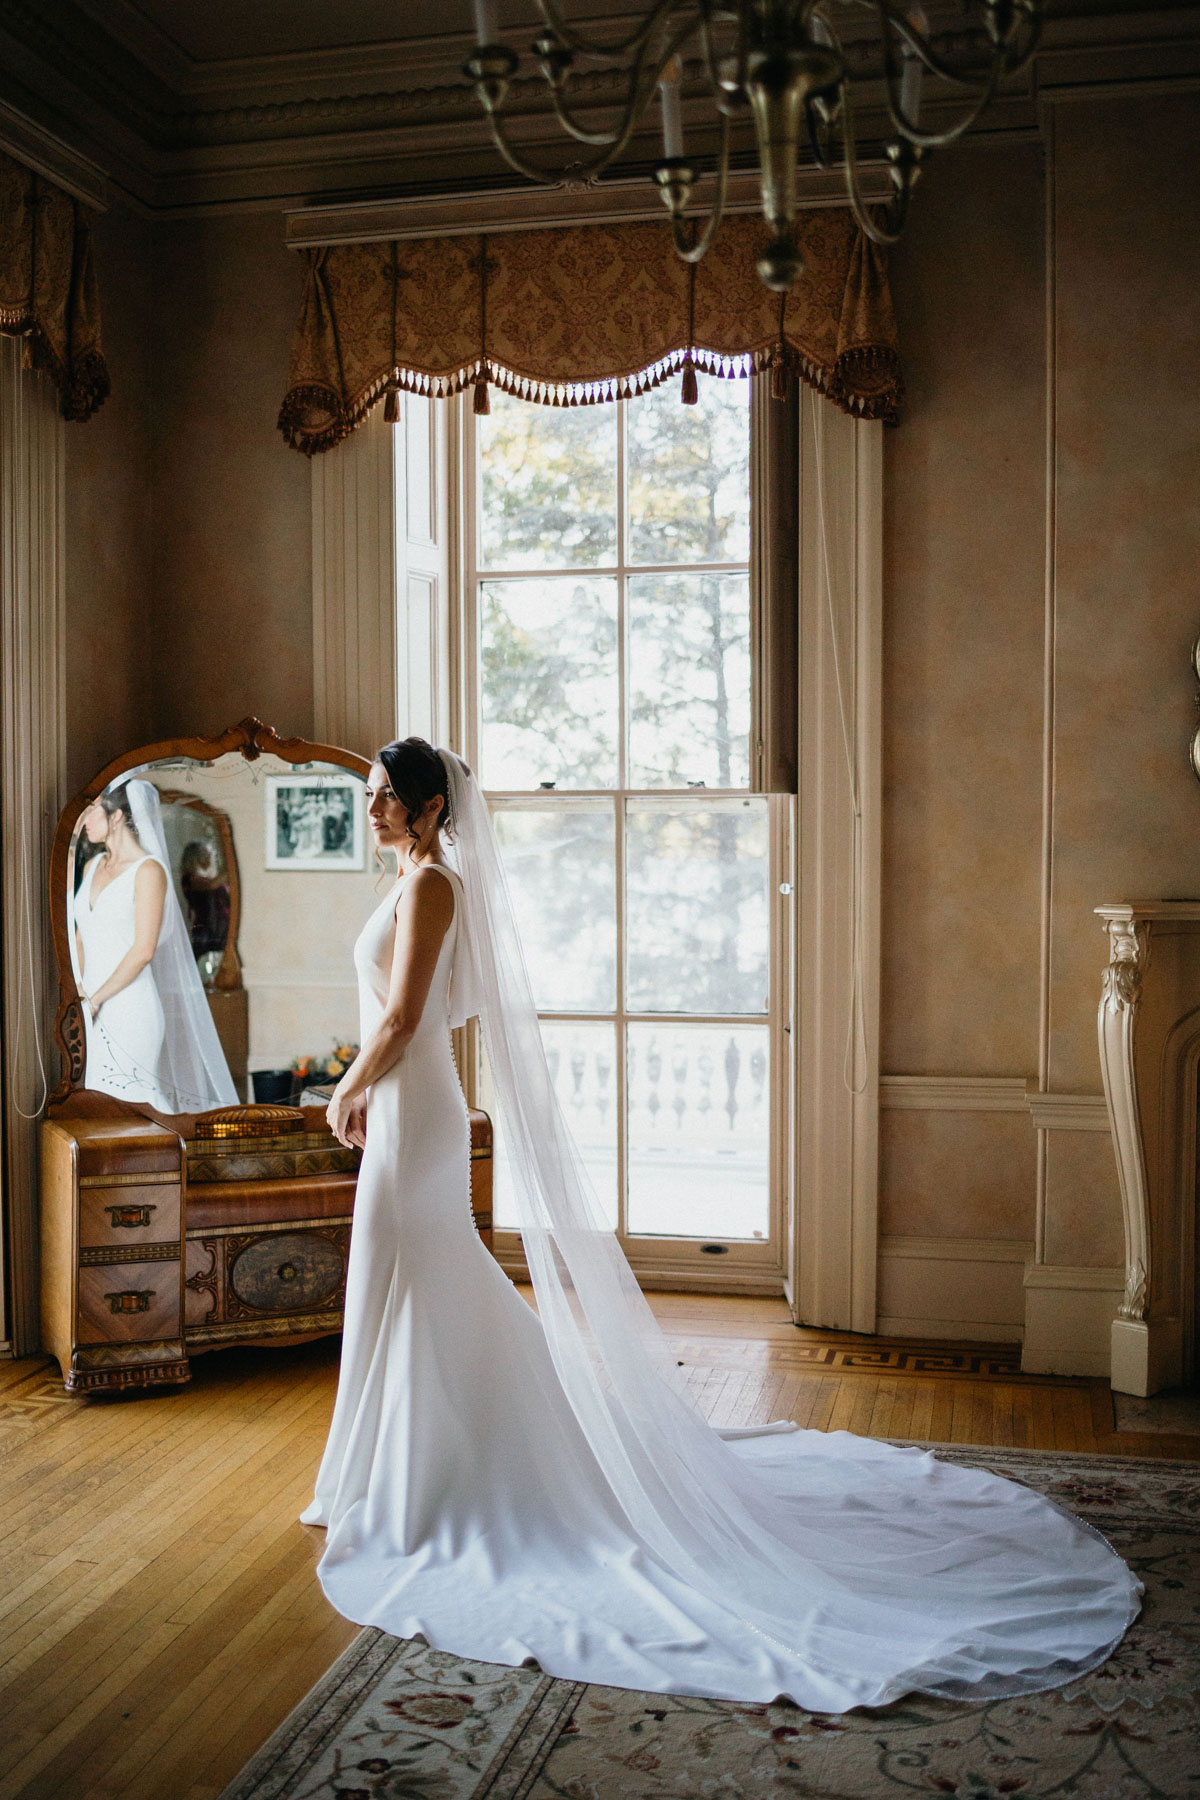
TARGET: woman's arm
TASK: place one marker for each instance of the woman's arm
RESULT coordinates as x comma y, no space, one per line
149,897
423,915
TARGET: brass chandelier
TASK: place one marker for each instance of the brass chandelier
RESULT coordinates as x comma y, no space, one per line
783,64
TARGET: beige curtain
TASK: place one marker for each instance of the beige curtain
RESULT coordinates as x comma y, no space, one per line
572,317
48,292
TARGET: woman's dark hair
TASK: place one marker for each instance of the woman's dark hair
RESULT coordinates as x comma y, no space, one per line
416,774
116,800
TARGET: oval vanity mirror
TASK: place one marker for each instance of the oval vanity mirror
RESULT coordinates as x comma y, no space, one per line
207,894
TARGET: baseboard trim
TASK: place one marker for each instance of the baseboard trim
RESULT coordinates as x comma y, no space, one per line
1076,1280
768,1285
939,1249
891,1326
952,1287
1069,1315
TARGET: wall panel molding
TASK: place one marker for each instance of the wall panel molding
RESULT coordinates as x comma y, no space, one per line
953,1093
1069,1112
993,1094
32,719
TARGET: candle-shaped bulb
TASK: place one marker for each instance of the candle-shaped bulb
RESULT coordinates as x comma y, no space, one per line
672,122
913,70
485,22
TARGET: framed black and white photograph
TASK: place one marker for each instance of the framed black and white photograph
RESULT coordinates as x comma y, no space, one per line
315,822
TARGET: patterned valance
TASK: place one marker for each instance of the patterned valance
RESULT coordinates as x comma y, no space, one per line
48,291
590,313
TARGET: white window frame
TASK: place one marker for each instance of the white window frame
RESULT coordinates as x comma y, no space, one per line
742,1265
362,597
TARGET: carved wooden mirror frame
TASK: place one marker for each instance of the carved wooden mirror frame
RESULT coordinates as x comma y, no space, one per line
253,739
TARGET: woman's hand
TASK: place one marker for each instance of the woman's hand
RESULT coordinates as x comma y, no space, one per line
347,1118
93,1007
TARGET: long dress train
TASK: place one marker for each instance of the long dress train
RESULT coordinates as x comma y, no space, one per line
464,1503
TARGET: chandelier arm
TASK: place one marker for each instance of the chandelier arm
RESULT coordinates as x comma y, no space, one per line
883,235
640,91
636,40
912,133
693,252
531,172
922,48
819,144
724,106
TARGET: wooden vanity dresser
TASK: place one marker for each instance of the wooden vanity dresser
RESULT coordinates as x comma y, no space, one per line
158,1246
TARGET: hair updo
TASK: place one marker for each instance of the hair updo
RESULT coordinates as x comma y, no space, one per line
416,775
117,804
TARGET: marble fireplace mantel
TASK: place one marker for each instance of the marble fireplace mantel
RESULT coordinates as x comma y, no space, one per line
1149,1026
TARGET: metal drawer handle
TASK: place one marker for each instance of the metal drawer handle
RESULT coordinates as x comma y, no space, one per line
129,1218
130,1300
288,1271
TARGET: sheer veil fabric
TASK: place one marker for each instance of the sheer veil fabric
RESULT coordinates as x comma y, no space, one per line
832,1569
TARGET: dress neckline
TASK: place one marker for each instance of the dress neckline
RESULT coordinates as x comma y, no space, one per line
119,876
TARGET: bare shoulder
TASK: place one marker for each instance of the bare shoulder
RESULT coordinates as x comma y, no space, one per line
429,898
151,877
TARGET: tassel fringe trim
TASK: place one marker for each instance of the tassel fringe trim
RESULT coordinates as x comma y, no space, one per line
865,382
82,386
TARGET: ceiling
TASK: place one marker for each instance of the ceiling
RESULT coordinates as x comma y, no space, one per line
217,29
196,106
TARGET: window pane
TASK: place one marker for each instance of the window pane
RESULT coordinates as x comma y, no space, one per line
548,485
583,1065
560,859
550,700
696,905
689,680
699,1104
689,474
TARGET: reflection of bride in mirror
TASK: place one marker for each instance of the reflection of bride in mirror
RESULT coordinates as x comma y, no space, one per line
150,1034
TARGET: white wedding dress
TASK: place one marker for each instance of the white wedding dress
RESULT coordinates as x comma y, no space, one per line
125,1040
465,1503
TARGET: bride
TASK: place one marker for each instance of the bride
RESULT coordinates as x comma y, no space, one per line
148,1030
518,1486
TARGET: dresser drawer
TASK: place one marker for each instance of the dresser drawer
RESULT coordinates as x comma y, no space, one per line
128,1301
141,1212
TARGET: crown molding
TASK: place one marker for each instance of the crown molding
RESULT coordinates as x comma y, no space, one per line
49,156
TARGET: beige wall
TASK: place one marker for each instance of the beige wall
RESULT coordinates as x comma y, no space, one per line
189,579
108,551
1042,496
232,518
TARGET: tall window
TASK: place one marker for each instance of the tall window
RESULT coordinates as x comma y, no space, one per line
611,655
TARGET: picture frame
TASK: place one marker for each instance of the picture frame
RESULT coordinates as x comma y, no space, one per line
315,822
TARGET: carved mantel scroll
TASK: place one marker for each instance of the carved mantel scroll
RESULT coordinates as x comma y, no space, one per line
1149,1032
1120,999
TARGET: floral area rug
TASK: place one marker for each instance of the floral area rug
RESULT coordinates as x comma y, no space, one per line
395,1720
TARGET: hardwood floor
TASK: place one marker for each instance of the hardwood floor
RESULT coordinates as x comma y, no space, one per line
158,1609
